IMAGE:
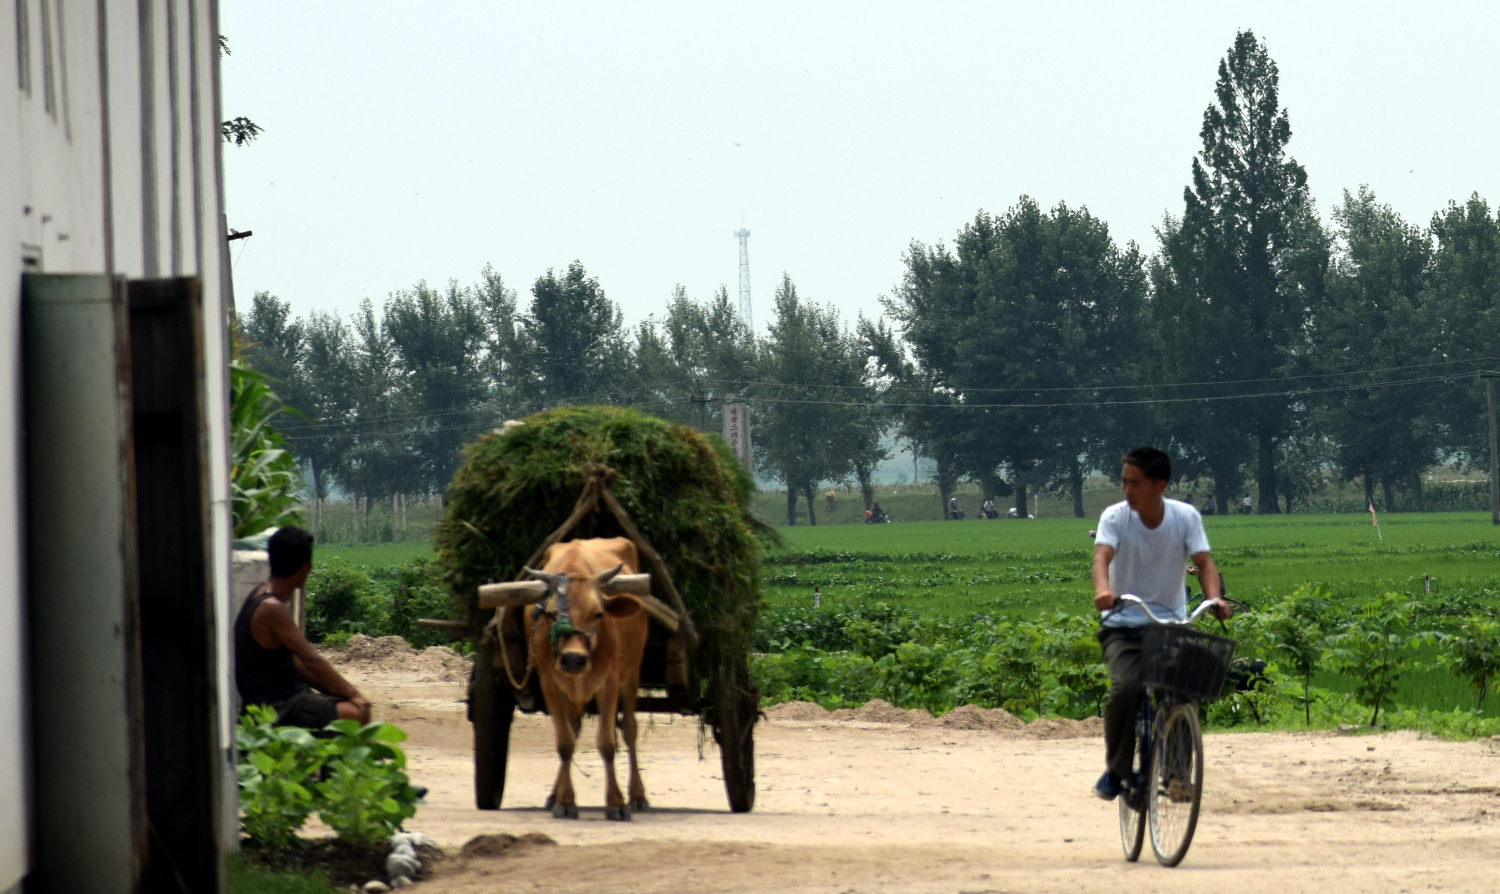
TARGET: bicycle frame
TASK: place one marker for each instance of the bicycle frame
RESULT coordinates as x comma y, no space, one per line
1139,797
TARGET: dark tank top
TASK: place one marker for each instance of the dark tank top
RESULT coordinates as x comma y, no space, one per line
263,676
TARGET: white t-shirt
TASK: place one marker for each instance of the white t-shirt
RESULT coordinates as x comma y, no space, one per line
1151,563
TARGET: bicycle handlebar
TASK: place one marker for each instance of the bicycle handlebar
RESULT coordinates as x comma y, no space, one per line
1130,597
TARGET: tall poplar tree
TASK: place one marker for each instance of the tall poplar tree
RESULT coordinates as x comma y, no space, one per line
437,344
810,412
575,340
1465,285
1237,278
1376,316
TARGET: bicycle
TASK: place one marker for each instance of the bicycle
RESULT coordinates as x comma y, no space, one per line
1182,667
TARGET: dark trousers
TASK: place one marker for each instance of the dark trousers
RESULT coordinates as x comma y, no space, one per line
1122,657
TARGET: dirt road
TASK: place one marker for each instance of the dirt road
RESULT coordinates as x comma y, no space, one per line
854,805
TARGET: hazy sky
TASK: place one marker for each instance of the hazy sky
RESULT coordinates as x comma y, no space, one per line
410,141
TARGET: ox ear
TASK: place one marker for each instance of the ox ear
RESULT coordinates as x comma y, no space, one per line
622,606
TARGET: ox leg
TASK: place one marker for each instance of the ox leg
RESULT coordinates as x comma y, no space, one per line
628,694
614,800
563,801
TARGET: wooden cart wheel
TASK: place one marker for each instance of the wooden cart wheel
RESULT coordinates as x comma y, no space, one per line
735,733
491,708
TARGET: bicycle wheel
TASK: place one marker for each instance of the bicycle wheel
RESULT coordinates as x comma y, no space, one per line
1176,783
1133,819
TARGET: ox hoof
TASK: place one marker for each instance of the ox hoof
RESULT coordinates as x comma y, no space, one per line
565,811
619,814
640,806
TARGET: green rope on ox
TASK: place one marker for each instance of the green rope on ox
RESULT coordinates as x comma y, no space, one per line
562,627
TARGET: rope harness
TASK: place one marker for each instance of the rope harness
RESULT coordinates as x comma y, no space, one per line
596,495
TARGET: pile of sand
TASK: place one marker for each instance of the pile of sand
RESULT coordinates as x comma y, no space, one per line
502,843
1062,728
878,710
797,711
976,718
391,654
964,717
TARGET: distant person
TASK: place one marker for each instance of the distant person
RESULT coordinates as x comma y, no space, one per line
1208,505
1246,506
988,509
274,664
831,498
954,512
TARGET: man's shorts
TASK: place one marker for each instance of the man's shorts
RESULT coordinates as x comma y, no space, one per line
308,709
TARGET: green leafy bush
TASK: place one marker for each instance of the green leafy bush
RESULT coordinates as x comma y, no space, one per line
1270,700
917,676
1473,653
415,591
1071,656
340,598
365,795
1295,630
361,792
800,674
880,630
1051,665
1376,646
275,768
784,628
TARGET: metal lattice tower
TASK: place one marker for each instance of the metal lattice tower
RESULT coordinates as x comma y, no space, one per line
744,236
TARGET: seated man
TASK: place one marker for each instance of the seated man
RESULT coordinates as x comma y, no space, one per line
274,664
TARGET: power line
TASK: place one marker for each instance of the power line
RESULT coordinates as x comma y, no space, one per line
361,427
1108,403
1136,387
334,429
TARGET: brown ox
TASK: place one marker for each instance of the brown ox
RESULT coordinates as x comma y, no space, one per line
596,655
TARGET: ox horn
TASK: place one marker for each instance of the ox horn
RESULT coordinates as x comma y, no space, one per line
604,577
508,594
543,575
557,584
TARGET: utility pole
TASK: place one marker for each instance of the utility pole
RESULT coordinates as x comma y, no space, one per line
702,401
1489,393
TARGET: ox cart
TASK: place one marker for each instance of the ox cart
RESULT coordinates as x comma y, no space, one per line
696,657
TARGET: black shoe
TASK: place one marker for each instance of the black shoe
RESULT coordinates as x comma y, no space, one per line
421,791
1108,787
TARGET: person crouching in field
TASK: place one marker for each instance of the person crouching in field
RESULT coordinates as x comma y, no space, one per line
274,664
1142,547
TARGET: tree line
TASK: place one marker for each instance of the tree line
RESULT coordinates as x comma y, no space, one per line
1259,344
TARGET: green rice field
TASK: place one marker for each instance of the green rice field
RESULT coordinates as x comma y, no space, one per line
1018,566
1020,569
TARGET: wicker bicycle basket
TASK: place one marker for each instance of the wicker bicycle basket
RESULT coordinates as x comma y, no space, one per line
1185,661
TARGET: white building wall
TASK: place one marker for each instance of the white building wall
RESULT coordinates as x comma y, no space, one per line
122,48
205,235
115,182
15,842
60,149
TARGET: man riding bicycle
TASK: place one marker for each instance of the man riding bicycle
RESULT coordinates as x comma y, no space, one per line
1142,547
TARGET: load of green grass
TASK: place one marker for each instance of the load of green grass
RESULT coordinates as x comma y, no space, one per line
685,493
